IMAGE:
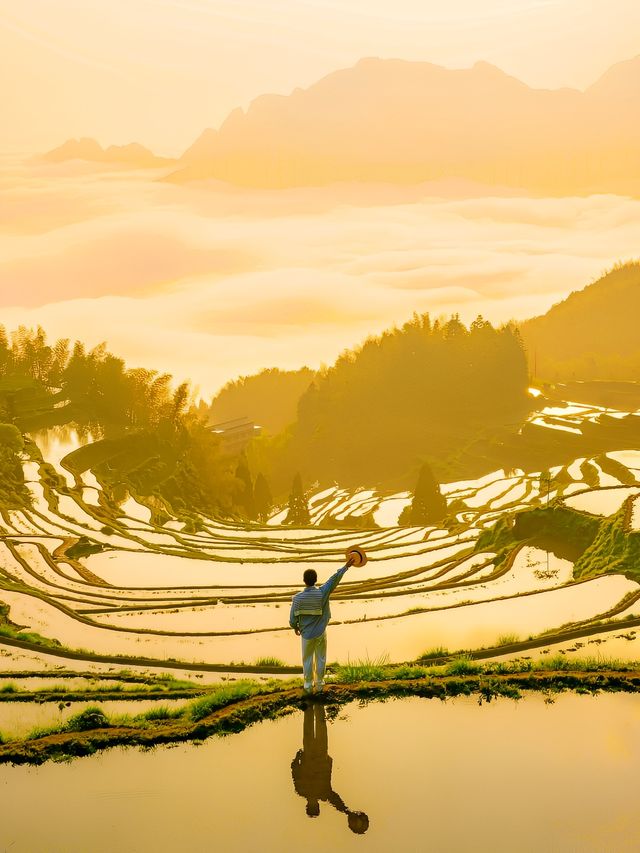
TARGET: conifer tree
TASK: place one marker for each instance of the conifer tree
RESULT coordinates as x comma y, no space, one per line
428,505
298,506
246,500
262,497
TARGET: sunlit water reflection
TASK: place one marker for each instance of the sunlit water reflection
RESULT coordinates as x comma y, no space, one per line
410,775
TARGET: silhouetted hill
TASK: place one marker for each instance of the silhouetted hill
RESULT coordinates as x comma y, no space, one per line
593,334
268,398
89,149
425,391
407,122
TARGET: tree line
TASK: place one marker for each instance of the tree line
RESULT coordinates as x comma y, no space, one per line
145,434
415,394
94,388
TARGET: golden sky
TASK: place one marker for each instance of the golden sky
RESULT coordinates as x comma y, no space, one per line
159,71
212,281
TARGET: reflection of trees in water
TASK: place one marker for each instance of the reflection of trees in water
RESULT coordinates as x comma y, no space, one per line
72,435
311,770
541,569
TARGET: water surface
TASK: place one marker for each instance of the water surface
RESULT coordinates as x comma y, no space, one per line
404,775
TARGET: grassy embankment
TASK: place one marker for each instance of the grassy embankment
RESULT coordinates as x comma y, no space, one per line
12,631
596,545
119,686
232,707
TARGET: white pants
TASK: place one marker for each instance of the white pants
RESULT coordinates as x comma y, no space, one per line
314,650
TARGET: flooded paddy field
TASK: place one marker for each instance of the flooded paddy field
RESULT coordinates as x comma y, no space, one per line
113,579
18,719
146,615
527,776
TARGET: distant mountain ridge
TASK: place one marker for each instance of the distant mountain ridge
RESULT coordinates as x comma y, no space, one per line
390,120
132,154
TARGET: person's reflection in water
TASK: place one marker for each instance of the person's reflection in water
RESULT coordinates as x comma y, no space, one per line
311,770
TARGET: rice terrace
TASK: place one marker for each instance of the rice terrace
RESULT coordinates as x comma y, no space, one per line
320,427
126,622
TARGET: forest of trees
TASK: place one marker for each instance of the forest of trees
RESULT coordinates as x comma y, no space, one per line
44,384
420,392
435,397
269,398
146,434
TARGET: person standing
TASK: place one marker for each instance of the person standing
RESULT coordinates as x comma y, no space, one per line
309,617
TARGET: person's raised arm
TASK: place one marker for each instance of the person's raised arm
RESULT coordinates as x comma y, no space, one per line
337,802
328,586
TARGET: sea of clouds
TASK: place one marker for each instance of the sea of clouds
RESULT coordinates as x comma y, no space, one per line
209,282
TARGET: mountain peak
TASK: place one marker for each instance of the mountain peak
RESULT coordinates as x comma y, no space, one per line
486,67
400,121
622,80
90,150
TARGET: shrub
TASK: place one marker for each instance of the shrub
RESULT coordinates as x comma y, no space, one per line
91,718
83,548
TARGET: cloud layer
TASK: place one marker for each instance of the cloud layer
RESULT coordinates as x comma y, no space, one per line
208,282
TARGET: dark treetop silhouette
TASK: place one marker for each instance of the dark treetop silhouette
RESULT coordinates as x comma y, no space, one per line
425,390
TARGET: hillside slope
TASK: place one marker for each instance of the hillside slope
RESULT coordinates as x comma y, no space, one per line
593,334
268,398
424,391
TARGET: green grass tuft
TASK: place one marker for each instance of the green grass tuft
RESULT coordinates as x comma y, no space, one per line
462,666
161,713
411,670
363,670
221,696
432,654
507,639
269,661
588,664
43,731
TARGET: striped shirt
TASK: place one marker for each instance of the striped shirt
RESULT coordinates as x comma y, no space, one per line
310,611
